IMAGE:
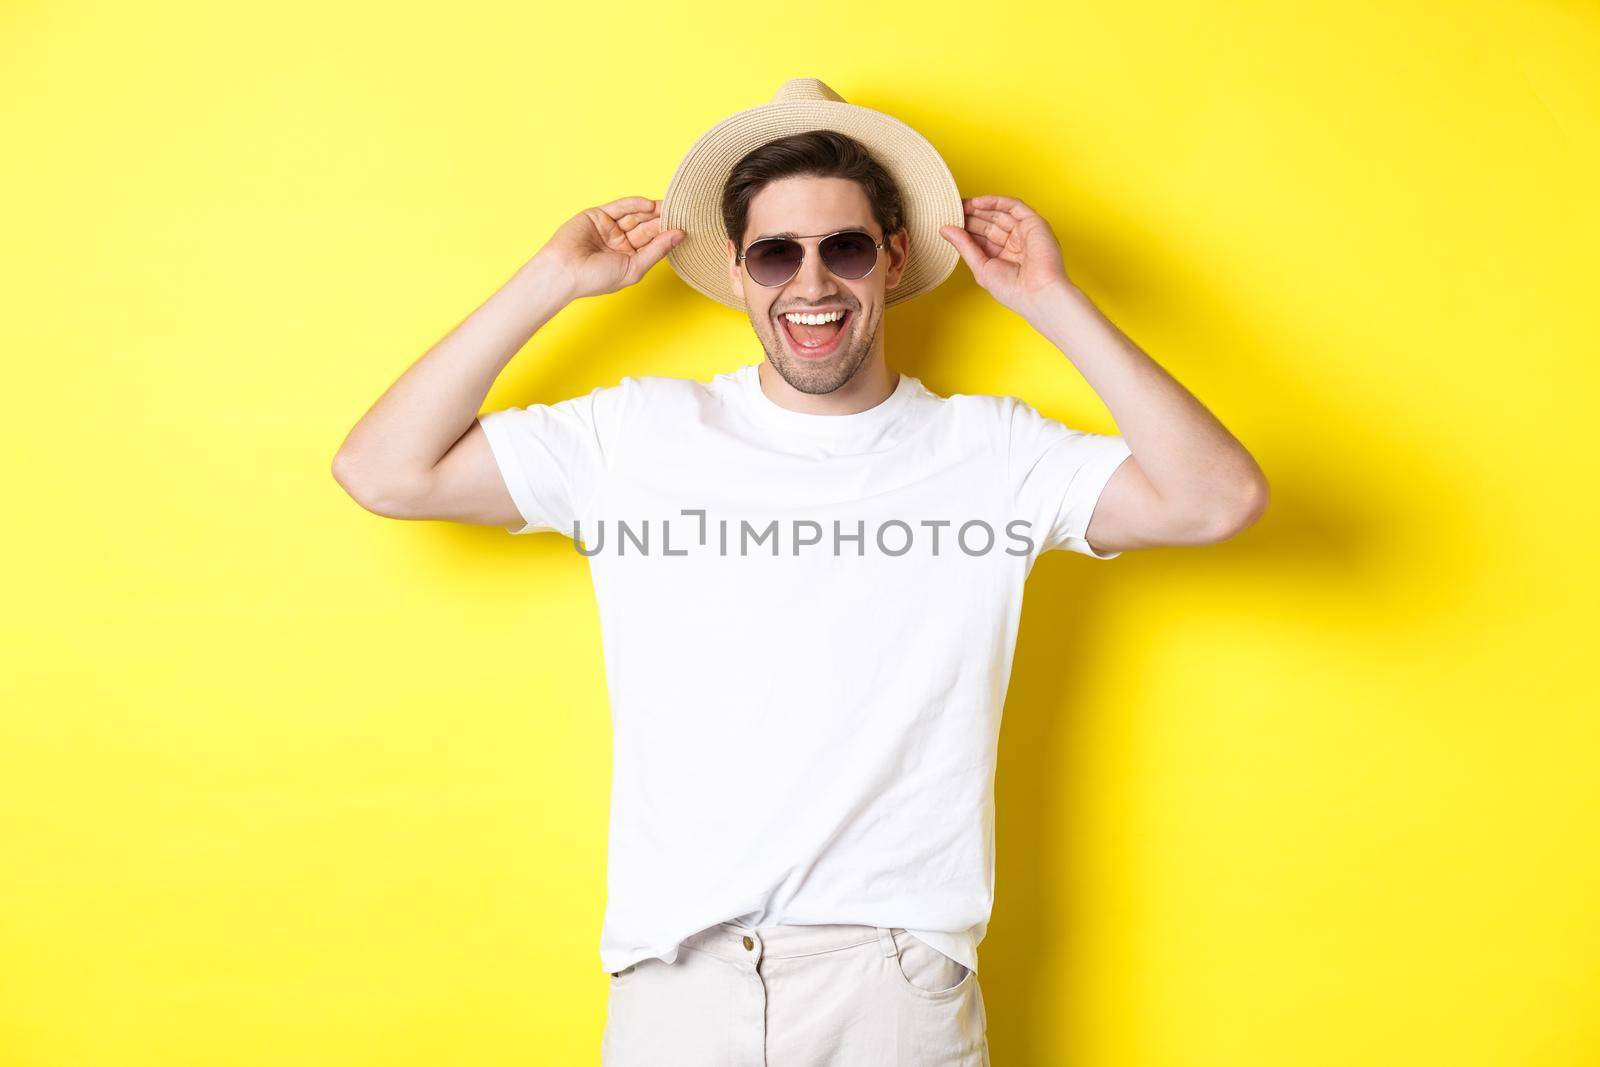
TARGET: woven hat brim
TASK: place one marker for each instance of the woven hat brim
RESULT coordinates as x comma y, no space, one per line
693,200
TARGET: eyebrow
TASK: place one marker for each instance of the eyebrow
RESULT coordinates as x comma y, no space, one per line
791,233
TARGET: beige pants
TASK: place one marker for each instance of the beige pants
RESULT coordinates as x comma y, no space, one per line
797,996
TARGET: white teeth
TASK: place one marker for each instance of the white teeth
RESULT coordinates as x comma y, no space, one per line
816,320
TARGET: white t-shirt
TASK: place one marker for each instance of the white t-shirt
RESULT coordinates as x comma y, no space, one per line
808,636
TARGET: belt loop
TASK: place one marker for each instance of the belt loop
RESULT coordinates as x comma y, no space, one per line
886,941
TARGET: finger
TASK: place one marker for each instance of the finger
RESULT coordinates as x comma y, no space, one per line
618,208
651,254
970,252
643,233
634,218
999,218
980,232
606,226
980,227
990,248
1008,204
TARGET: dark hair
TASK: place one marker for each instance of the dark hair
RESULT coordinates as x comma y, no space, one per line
818,153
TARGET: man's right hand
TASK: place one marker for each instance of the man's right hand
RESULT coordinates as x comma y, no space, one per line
419,453
606,248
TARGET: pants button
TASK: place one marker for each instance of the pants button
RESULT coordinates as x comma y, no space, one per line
749,943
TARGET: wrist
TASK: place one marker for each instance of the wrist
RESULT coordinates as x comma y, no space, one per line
1050,304
546,283
1063,316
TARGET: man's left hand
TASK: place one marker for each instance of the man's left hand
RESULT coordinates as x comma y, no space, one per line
1011,250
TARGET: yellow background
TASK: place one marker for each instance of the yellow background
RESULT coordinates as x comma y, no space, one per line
285,783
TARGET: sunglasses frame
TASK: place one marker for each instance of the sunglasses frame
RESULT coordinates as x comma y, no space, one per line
804,251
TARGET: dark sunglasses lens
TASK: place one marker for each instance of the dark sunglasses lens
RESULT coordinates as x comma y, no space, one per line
849,255
774,260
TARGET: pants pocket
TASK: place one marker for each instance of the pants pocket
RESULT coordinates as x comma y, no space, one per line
924,970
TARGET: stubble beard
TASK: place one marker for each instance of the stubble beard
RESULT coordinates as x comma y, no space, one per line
817,378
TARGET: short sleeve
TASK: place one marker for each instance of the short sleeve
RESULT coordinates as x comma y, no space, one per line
1057,475
553,457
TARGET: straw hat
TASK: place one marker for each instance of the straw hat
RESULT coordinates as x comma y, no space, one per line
693,200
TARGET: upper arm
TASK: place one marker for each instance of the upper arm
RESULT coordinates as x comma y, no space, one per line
522,469
1131,514
1085,492
466,485
527,469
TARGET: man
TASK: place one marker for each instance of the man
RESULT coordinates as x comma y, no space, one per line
809,573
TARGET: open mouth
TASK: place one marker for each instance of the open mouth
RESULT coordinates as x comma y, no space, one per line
814,342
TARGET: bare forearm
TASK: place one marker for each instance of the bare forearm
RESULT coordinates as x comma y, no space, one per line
418,418
1190,457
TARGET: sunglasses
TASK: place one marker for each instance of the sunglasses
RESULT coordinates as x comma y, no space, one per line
772,261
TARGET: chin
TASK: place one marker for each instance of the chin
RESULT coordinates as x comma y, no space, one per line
821,376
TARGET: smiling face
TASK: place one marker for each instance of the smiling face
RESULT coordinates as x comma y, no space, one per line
808,205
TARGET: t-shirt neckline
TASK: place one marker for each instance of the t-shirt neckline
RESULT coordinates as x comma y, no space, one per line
825,425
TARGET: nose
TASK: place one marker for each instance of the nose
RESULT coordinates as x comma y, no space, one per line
814,282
